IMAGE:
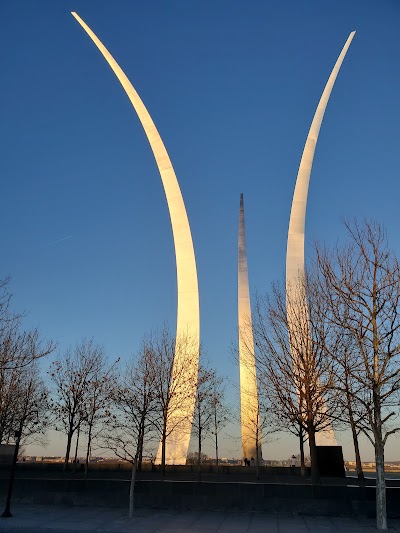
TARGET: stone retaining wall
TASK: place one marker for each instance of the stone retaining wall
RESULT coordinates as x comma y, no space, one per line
193,495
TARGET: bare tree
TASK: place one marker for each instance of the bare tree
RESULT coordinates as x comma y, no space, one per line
9,392
23,404
220,410
18,347
135,404
256,425
202,420
361,282
71,376
352,413
193,458
33,407
292,363
19,378
97,407
175,369
209,409
254,419
284,415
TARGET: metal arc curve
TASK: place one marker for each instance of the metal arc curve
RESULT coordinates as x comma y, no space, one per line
188,313
297,313
295,244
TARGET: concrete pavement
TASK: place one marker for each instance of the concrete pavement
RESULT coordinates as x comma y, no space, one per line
57,519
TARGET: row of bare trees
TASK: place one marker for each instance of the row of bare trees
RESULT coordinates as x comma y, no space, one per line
126,409
82,387
23,395
339,368
129,409
139,398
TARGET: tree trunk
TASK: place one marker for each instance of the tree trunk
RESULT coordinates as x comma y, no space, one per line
360,472
139,454
76,447
315,479
302,460
132,489
89,443
381,521
164,439
199,456
216,437
216,450
359,469
68,451
257,458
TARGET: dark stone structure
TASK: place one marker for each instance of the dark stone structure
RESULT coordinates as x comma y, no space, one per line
330,461
6,454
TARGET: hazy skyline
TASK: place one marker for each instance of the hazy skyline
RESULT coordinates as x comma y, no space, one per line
232,88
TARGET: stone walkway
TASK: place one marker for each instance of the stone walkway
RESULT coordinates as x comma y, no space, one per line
57,519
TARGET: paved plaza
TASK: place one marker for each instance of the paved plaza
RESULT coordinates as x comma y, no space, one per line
52,519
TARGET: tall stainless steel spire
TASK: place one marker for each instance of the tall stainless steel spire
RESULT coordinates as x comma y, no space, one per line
188,314
295,244
249,408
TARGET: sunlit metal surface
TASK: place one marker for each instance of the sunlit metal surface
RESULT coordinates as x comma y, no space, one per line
295,243
188,314
249,408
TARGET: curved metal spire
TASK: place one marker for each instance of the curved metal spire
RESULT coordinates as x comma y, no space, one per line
295,244
298,316
188,314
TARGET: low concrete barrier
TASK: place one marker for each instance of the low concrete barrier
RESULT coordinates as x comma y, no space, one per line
170,469
193,495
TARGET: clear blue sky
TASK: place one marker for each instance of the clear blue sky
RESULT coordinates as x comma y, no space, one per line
232,87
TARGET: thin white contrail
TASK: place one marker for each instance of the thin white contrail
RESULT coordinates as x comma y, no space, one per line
60,240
